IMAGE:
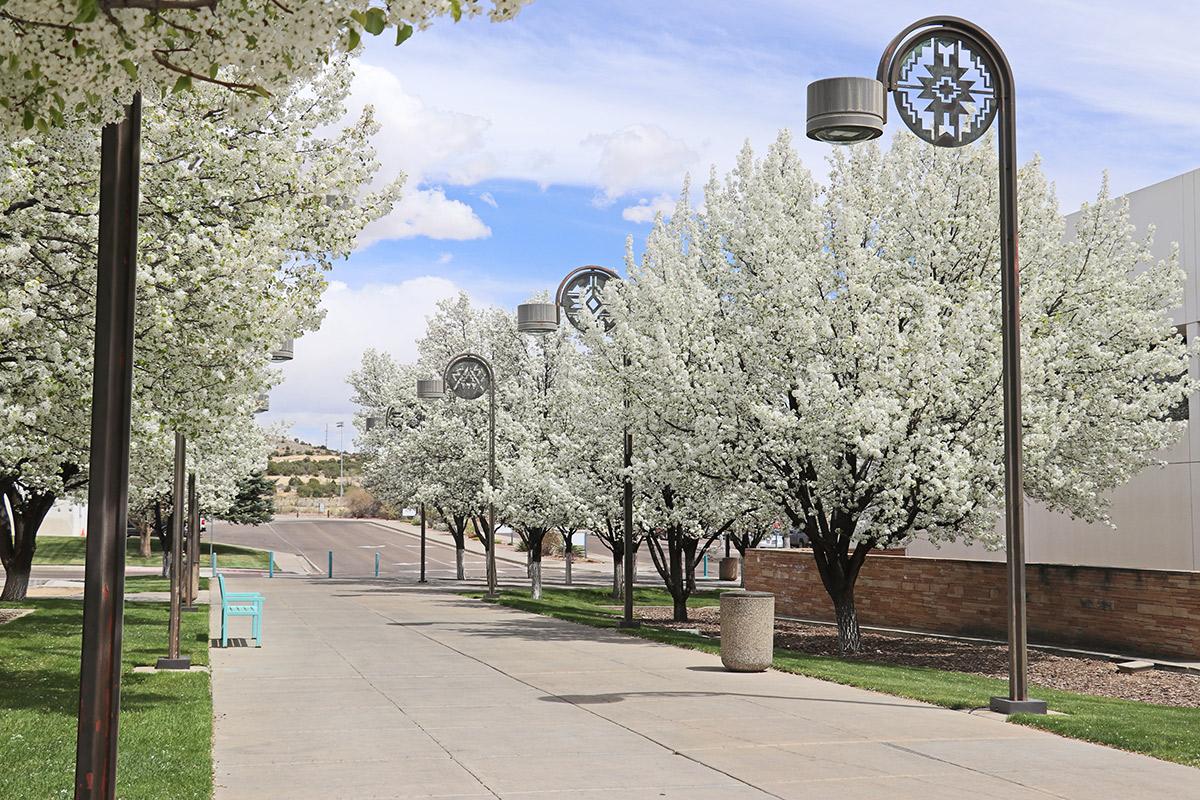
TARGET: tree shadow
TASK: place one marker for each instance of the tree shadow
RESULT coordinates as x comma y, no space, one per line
617,697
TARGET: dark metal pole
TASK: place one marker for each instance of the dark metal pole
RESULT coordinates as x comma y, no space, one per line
108,471
192,571
627,621
1014,497
422,580
491,543
177,513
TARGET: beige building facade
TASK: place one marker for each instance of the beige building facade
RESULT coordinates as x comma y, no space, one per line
1156,514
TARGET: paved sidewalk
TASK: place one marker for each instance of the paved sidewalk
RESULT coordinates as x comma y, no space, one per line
376,690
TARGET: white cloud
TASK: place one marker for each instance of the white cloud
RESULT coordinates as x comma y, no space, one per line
426,212
639,155
487,198
389,317
647,210
427,144
445,258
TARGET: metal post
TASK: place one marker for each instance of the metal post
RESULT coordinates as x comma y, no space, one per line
628,621
191,568
330,564
341,460
376,563
271,564
1014,496
422,579
173,659
108,484
491,544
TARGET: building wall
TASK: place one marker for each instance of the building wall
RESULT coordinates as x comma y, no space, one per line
1124,611
1157,514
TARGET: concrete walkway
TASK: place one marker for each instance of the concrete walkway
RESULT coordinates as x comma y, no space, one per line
376,690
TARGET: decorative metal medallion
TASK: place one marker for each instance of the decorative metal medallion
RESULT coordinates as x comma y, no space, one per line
946,91
581,294
468,377
394,419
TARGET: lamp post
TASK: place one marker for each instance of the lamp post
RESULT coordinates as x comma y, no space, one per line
468,376
579,296
432,389
341,426
173,660
949,79
108,486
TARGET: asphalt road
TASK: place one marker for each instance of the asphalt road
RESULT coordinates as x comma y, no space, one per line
355,542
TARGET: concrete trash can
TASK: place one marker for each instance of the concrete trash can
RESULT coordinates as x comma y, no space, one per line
728,568
747,630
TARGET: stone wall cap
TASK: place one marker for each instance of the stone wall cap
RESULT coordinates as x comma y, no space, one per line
740,593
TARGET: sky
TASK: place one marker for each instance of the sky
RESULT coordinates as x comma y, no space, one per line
534,146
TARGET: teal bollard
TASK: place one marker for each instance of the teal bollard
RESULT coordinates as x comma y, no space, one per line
213,553
706,565
271,564
331,563
376,565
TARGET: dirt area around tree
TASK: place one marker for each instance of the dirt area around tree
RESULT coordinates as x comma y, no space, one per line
1092,676
9,614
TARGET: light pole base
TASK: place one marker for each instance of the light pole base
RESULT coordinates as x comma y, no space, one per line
183,662
629,623
1004,705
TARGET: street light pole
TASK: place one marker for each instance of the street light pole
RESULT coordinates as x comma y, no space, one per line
108,471
422,578
950,79
173,660
580,294
468,376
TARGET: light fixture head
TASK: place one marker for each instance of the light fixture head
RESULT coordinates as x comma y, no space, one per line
431,389
284,351
537,318
846,110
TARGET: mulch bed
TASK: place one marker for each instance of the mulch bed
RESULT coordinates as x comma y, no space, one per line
9,614
1066,673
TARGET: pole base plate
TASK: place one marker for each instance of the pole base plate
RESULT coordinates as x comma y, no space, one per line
183,662
629,623
1004,705
189,608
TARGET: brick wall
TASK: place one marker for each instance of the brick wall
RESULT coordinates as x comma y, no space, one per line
1127,611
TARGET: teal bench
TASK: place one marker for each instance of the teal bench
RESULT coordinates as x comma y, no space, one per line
240,604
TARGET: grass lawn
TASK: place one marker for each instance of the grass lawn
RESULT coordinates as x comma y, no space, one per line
166,719
1165,732
69,550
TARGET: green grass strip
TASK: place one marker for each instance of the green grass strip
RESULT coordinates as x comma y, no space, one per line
166,719
1166,732
69,551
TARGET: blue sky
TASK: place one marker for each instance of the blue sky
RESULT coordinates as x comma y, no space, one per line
540,144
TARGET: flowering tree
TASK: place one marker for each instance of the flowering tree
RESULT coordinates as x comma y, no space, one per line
236,231
691,462
437,452
534,495
70,56
862,344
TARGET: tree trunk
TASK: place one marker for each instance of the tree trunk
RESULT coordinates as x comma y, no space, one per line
535,570
680,608
849,636
18,537
458,563
689,556
618,590
16,583
568,555
144,548
166,564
